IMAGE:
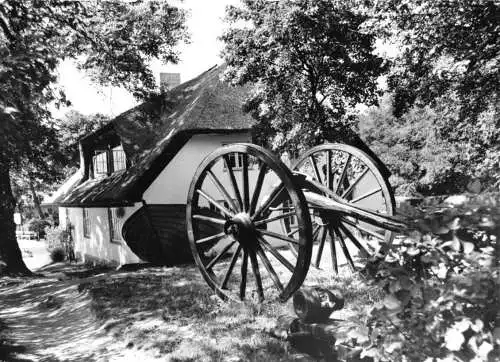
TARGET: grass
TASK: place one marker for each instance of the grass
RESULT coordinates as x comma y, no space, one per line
171,314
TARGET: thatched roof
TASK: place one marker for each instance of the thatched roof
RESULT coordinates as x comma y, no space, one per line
153,132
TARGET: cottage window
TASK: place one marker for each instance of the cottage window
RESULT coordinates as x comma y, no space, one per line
236,161
119,159
105,162
86,223
100,162
114,225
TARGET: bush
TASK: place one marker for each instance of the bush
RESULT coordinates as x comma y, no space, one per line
442,288
57,255
38,225
60,238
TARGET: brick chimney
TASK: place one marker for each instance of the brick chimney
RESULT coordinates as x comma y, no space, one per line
169,81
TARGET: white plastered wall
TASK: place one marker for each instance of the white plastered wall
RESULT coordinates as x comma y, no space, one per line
99,244
172,185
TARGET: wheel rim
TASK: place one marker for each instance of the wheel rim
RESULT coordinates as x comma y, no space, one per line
355,178
235,207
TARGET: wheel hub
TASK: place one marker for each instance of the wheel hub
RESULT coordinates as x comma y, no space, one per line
241,228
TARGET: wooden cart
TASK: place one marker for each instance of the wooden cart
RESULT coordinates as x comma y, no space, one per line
247,211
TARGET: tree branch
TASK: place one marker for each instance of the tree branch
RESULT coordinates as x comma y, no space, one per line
5,27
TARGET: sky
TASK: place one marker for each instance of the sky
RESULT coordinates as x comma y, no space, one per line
205,25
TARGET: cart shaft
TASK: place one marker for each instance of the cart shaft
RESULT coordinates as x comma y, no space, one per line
314,191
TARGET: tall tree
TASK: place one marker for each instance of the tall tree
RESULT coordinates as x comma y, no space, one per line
445,79
114,41
310,62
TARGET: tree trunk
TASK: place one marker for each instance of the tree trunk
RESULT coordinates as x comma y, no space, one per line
11,260
36,201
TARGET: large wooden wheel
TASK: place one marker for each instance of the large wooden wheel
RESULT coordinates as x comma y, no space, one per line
238,199
351,176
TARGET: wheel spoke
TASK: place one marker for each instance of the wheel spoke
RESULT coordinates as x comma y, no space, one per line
256,272
344,249
210,219
354,183
222,191
215,203
365,253
272,198
333,250
258,188
269,268
274,218
231,266
321,246
364,196
342,174
211,238
292,232
315,167
246,191
217,258
371,250
366,230
243,282
234,184
279,236
329,178
324,189
315,232
288,208
276,254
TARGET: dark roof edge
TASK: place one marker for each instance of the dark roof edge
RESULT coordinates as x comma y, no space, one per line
101,204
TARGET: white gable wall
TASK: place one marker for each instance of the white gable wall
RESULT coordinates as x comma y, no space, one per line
172,185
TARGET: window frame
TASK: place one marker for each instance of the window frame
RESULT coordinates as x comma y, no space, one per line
118,159
113,224
106,161
238,161
86,223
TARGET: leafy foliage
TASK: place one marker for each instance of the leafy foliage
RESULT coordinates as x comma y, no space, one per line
421,158
422,153
38,225
309,62
447,47
113,40
71,128
442,288
444,82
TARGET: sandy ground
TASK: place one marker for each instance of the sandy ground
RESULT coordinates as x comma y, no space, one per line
154,314
35,253
48,319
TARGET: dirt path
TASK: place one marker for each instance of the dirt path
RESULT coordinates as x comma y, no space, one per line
51,320
152,314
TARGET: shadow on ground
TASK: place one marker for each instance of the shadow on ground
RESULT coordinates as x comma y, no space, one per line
154,313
